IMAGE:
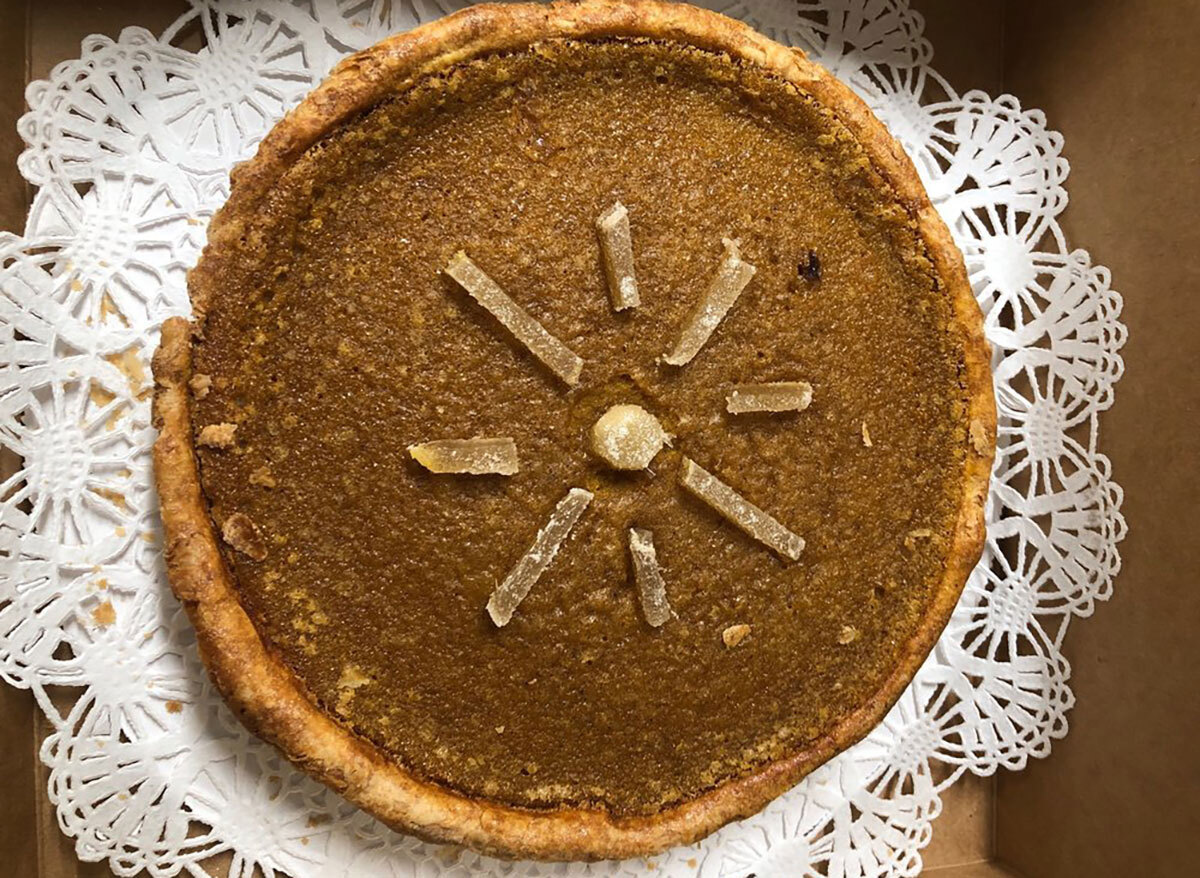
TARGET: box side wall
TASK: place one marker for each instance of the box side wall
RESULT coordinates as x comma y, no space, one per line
1119,795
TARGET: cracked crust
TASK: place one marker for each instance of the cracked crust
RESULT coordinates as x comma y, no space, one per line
267,696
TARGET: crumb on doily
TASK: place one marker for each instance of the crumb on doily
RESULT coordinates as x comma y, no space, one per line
104,614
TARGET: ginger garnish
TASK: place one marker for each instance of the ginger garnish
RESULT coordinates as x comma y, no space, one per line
525,328
476,457
651,588
777,396
627,437
509,593
616,246
731,278
739,511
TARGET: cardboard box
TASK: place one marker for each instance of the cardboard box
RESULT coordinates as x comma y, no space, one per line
1121,795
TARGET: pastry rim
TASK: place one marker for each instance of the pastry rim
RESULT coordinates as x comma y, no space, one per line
265,694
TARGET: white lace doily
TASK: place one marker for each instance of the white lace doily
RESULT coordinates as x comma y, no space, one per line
130,147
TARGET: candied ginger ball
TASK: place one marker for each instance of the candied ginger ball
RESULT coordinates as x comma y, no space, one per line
627,437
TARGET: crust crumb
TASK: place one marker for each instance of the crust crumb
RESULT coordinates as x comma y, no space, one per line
921,533
979,437
104,614
130,364
241,533
116,498
263,477
735,634
352,678
217,435
200,385
108,307
848,634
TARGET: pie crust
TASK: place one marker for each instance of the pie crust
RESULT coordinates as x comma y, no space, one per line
267,696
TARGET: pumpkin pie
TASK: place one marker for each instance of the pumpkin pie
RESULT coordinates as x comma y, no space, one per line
583,429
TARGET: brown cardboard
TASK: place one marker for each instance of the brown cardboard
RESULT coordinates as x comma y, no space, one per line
1119,794
1118,77
13,75
18,816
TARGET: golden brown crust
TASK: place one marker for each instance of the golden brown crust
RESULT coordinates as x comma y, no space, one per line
268,697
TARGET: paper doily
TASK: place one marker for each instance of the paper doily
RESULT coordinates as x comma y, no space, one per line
131,147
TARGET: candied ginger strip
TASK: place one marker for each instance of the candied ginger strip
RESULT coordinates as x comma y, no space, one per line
509,593
651,588
616,246
557,356
732,276
739,511
778,396
476,457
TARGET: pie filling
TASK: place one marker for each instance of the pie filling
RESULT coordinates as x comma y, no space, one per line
663,649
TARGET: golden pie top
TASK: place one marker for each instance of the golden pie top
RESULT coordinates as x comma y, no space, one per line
332,341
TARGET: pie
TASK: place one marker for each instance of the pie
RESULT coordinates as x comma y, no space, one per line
583,430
